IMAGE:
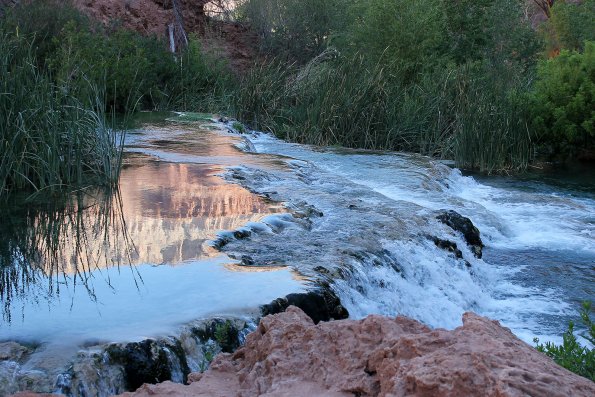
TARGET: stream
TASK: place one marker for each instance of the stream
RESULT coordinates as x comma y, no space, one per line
209,223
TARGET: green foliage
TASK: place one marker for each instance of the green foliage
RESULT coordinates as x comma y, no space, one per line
49,139
42,21
405,36
571,354
297,29
202,81
223,331
437,77
562,101
490,130
137,72
260,94
570,25
239,127
133,68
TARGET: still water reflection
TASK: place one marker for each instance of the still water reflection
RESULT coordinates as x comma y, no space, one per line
132,263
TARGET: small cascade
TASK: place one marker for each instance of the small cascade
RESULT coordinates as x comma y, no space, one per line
375,227
370,232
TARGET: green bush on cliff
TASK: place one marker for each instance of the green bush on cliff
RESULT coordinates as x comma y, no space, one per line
134,69
571,354
137,72
298,30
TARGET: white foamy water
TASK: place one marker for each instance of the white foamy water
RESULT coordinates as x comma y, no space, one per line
378,209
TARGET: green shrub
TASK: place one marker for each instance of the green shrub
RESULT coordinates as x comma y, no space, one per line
571,354
296,29
43,21
436,77
202,81
134,69
403,36
570,25
137,72
562,101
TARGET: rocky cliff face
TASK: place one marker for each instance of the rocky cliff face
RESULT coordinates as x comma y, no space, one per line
232,41
290,356
145,16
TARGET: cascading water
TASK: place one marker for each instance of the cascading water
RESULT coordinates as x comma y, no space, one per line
375,241
368,225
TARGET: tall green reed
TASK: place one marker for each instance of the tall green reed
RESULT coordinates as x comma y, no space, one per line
50,139
463,113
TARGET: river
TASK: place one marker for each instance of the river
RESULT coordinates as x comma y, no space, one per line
143,261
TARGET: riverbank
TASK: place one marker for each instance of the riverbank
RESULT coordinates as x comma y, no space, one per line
288,355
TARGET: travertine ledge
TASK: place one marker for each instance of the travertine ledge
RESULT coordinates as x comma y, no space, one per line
379,356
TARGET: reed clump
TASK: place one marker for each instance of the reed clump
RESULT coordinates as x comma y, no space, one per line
50,139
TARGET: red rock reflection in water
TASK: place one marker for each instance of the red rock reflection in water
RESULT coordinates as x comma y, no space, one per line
173,209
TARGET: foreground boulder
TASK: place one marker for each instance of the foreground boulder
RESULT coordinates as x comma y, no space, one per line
288,355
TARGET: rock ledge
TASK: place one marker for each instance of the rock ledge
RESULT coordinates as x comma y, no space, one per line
288,355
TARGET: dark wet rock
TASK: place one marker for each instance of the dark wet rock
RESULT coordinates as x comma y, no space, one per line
322,270
319,305
307,211
147,361
462,224
247,260
221,241
447,245
243,233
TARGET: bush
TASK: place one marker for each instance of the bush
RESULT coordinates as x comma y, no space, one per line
403,36
202,81
570,25
562,101
433,76
571,354
43,21
298,30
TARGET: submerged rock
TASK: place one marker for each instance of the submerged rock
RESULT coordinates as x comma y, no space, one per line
288,355
462,224
145,362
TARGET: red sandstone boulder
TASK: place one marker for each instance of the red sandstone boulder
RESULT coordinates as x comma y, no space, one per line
378,356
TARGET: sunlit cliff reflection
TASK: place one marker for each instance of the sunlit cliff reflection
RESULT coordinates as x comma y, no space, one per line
173,209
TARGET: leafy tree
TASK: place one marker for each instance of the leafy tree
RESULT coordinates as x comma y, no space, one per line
298,29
